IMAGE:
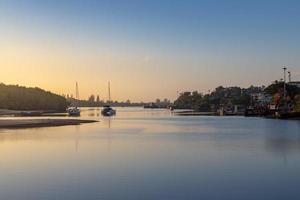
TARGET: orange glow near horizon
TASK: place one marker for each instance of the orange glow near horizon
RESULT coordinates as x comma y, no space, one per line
54,67
144,54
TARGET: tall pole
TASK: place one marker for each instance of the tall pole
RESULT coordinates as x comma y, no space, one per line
284,80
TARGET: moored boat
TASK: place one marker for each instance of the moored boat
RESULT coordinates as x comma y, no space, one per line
108,111
73,111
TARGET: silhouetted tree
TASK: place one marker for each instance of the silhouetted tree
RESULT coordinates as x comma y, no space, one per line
21,98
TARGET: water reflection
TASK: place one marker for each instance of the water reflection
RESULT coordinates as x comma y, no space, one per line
282,136
283,143
107,121
151,154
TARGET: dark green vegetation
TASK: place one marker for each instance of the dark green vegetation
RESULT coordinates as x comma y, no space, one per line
292,94
219,97
224,97
15,97
277,87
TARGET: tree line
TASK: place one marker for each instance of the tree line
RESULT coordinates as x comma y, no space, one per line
228,96
15,97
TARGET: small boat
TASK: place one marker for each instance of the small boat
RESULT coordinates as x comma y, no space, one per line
73,111
108,111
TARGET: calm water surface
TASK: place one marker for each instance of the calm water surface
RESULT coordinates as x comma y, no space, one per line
152,154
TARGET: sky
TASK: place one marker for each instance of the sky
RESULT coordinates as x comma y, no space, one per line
147,49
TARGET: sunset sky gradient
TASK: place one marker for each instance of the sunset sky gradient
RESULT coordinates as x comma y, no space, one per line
147,49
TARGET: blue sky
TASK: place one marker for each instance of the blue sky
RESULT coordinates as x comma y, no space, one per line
156,46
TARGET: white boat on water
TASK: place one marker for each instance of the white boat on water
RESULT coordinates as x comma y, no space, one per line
73,111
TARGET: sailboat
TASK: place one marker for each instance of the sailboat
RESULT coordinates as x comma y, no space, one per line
74,111
107,110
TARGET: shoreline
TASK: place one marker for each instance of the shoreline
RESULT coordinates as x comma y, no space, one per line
37,123
33,113
288,116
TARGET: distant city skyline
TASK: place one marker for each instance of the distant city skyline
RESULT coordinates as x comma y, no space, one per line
147,49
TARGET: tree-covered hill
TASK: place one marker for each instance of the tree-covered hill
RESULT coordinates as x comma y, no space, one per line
16,97
228,96
211,102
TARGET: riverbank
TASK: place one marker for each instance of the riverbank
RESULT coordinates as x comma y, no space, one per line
32,113
195,113
35,123
285,116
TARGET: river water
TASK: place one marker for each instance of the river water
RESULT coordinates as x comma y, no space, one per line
152,154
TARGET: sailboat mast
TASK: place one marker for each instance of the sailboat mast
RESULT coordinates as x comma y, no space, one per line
77,91
109,98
